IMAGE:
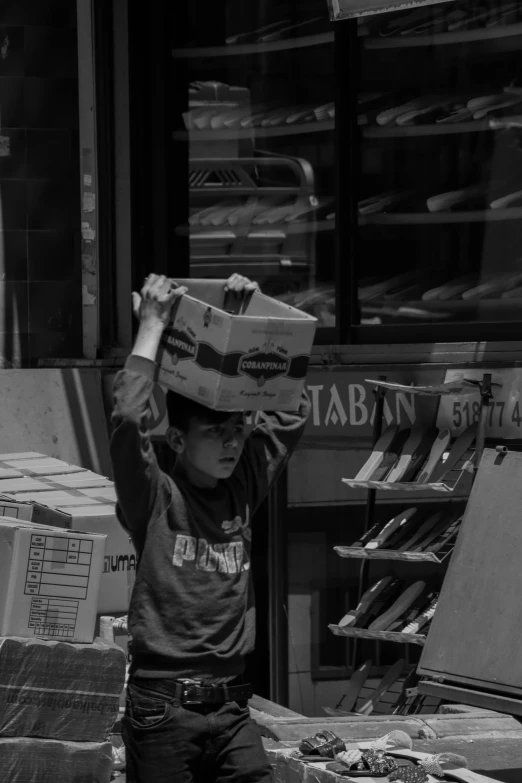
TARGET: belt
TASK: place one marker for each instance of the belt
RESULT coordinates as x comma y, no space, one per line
187,692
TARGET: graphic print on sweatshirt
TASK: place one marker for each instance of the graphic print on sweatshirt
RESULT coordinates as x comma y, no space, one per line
225,558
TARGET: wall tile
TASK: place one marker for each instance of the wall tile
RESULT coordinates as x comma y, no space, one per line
51,153
50,103
53,205
52,255
13,204
54,307
12,153
12,102
14,350
14,307
11,50
13,255
59,13
50,52
56,345
40,210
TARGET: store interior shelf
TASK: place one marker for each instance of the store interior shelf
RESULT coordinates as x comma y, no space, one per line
444,129
253,48
249,133
361,553
432,218
297,227
378,636
504,37
465,309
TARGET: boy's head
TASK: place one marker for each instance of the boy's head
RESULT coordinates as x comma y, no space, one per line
208,442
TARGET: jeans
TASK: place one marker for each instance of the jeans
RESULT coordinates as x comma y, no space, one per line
167,742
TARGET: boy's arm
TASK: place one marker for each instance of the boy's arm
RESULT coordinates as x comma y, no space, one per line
140,484
270,446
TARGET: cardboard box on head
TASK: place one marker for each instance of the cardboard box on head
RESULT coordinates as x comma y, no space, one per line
235,354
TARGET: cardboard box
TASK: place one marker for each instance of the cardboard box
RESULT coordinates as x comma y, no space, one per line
41,489
231,355
30,760
56,690
49,581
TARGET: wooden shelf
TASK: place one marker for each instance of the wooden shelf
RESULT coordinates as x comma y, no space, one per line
502,37
303,42
378,636
434,218
249,133
443,129
255,231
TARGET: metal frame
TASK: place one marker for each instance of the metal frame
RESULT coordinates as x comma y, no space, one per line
88,184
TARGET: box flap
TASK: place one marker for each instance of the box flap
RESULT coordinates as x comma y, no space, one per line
21,455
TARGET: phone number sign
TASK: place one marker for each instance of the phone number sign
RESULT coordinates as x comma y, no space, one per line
504,418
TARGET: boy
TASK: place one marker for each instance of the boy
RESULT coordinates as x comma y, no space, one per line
192,615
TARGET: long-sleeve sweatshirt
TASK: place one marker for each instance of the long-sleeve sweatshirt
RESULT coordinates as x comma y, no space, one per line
192,611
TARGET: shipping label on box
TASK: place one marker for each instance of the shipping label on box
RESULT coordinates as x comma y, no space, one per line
76,499
254,360
49,581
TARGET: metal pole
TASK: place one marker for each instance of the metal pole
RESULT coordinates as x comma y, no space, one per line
379,394
88,182
485,401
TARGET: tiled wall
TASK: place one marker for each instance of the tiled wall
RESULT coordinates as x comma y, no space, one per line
40,272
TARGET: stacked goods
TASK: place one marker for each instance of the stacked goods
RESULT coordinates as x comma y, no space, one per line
24,760
41,489
59,690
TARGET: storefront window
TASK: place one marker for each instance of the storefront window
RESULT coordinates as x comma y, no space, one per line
257,128
437,182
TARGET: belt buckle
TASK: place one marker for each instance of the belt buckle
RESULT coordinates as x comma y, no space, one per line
186,685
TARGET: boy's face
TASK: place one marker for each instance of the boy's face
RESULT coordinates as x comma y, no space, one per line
210,450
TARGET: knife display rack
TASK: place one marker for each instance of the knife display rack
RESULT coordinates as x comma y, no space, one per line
381,387
378,636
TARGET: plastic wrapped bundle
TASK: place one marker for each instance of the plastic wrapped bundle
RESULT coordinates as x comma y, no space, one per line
59,690
28,760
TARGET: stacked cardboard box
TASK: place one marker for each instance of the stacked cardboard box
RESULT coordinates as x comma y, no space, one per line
38,488
59,689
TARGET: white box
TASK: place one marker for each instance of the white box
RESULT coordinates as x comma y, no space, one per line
41,489
49,581
255,358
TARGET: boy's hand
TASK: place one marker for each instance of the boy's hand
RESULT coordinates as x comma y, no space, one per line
152,307
241,286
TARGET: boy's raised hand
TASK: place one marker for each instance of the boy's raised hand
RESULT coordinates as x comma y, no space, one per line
241,286
153,304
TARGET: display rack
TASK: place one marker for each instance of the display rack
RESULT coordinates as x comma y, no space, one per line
468,464
434,93
285,246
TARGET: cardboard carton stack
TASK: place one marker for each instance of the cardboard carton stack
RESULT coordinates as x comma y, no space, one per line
41,489
59,687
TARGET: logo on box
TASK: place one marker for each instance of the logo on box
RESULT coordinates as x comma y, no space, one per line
179,345
262,366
